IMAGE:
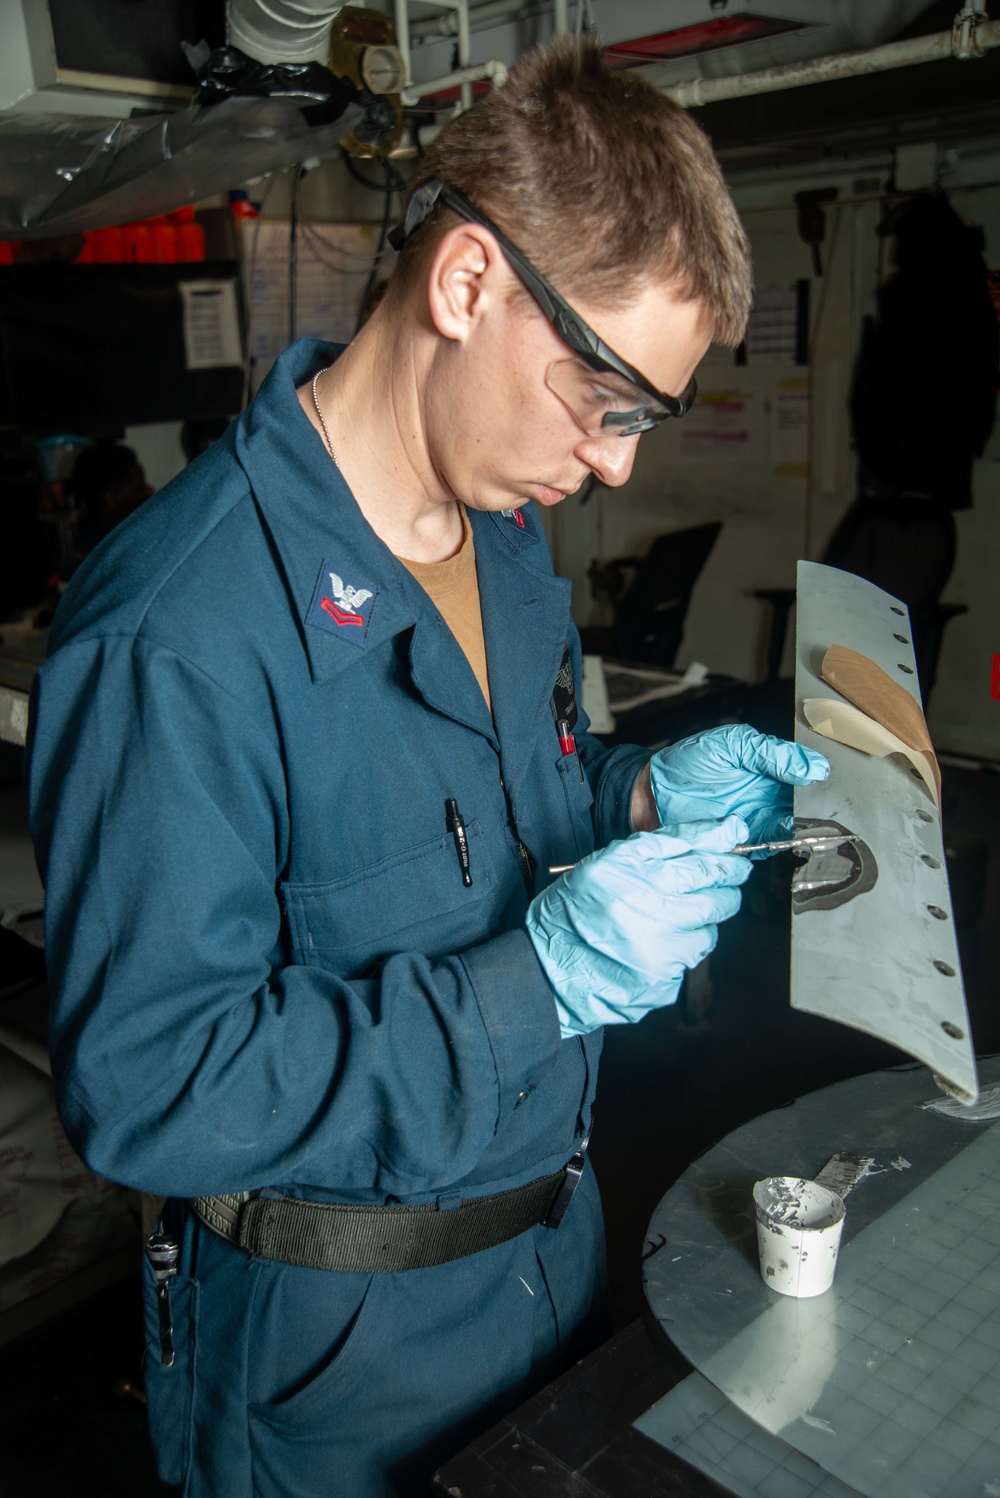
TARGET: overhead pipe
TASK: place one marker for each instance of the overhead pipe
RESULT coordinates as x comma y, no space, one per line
465,75
464,47
460,25
971,36
403,37
446,24
962,42
494,70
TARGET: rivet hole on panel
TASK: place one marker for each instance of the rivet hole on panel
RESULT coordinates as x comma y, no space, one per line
952,1030
944,968
938,913
932,863
901,667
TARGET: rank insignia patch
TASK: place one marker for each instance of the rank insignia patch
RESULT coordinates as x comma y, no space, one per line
342,605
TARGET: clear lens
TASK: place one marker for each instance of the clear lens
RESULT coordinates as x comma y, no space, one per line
602,404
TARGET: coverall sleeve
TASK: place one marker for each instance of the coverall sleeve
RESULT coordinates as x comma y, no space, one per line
190,1058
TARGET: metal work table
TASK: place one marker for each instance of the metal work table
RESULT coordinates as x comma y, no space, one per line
579,1436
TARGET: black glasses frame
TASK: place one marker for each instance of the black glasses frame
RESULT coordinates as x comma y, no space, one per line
571,328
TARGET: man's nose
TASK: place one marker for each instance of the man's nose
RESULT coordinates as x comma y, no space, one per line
610,458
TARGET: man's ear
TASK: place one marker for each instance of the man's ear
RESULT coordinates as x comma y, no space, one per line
463,280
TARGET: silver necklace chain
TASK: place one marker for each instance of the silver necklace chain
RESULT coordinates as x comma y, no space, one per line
322,419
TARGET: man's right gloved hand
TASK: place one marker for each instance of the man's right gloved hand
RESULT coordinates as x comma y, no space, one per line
617,932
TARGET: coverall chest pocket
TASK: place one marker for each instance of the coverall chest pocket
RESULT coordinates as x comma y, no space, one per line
413,900
579,801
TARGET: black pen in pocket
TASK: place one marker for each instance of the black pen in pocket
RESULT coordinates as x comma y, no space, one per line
457,829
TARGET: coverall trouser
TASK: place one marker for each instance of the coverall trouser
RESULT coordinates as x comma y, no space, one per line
302,1383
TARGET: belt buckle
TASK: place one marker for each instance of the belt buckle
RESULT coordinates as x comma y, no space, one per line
571,1179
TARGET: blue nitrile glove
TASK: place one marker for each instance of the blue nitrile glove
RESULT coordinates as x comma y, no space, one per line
733,770
617,932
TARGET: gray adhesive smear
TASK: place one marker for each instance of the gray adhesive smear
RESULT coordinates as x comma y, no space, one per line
834,874
842,1172
987,1107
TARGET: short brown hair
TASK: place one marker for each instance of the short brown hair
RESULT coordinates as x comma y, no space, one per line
600,179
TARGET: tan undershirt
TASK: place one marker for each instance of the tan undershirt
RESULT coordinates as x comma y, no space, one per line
454,587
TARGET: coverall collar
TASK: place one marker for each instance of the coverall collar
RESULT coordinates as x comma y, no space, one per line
311,513
313,519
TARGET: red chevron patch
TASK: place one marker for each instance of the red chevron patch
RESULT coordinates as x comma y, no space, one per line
339,616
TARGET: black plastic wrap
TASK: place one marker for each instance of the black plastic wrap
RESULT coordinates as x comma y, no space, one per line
64,175
228,73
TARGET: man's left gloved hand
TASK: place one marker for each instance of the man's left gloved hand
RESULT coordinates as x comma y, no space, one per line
733,770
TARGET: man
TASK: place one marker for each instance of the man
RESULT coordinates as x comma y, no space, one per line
303,754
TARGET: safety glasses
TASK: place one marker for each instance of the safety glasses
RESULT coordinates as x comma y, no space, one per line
622,401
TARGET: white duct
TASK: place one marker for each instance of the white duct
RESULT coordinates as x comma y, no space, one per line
272,31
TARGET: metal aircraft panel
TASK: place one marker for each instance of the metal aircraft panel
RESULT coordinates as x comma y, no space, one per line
876,951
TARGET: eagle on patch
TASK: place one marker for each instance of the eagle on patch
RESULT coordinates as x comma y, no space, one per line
350,598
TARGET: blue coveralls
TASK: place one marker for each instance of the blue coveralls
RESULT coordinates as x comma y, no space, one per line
268,973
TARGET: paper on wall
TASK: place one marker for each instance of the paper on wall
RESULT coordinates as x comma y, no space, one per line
723,427
790,429
334,262
773,327
211,325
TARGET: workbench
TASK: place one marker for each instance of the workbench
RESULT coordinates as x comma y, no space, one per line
863,1400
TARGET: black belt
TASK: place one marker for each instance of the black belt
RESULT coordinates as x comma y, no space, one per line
386,1239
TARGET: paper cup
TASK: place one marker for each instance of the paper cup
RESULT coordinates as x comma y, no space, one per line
798,1234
